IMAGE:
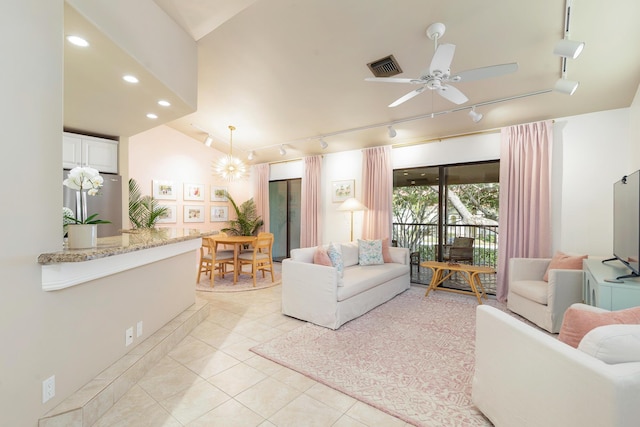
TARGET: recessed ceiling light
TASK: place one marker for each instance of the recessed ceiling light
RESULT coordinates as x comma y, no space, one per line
164,103
152,116
78,41
129,78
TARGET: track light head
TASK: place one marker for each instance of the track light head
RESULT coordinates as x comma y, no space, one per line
475,116
251,155
392,131
323,143
568,48
208,141
568,87
282,150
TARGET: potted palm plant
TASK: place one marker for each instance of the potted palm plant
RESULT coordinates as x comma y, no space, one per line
247,222
144,211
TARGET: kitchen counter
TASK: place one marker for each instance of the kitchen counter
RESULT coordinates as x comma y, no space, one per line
116,254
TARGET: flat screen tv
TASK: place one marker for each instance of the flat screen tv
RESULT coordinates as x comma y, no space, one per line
626,222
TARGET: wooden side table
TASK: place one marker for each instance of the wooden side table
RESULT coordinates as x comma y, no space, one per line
471,273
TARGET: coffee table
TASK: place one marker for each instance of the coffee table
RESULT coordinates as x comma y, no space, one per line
471,273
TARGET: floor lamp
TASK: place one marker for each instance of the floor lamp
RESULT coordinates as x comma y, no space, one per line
352,205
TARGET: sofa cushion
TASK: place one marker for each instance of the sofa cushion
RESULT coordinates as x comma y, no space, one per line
349,253
321,257
360,278
370,252
335,255
613,343
577,322
562,261
533,290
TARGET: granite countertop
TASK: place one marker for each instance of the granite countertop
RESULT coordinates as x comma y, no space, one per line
128,241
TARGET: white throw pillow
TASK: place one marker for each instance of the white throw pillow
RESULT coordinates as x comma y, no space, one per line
349,253
370,252
613,344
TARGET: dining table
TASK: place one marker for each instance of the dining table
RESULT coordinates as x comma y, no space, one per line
238,243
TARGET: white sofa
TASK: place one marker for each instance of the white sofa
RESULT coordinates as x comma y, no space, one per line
543,303
526,377
317,294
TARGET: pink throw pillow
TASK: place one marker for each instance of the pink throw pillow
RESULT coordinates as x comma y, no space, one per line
386,253
578,322
562,261
320,257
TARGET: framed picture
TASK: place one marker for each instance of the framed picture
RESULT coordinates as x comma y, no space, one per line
219,213
342,190
193,213
164,190
219,194
170,216
193,192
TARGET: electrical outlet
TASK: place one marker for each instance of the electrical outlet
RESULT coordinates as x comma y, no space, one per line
48,388
139,329
128,340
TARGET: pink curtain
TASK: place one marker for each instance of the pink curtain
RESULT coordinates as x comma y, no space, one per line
311,203
261,192
377,192
525,209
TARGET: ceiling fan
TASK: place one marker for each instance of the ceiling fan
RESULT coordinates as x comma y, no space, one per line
438,75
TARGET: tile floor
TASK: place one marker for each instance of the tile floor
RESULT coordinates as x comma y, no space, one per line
212,379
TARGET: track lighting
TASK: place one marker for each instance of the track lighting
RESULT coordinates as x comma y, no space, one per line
323,143
282,150
208,141
251,155
392,131
568,48
565,86
476,117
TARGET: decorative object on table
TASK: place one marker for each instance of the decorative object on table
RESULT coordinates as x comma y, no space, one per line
164,190
193,192
82,229
219,194
342,190
247,220
144,211
352,205
219,213
230,168
193,213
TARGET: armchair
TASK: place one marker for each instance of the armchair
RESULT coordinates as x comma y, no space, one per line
539,301
461,250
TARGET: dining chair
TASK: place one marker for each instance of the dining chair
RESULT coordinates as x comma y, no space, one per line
260,258
213,259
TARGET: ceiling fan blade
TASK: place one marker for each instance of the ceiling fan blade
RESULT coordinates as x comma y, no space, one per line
388,80
485,72
452,94
406,97
442,58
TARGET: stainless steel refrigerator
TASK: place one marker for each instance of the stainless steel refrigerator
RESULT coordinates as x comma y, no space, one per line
107,203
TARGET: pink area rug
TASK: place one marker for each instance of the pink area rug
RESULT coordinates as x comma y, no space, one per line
412,357
245,283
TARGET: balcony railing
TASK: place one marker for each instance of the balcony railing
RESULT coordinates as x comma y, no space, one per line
423,239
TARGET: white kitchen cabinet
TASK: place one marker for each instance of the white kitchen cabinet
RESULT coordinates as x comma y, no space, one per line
83,150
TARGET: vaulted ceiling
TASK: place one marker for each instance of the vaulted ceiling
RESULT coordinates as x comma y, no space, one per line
291,71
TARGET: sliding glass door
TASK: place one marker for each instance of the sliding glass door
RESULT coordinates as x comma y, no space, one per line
284,216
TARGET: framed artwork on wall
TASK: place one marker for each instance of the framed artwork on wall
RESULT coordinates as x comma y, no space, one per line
219,194
164,190
219,213
170,216
193,213
193,192
342,190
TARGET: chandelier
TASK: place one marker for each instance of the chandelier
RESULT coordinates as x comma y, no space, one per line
228,167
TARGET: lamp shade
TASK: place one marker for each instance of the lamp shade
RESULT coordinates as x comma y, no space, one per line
352,204
566,86
568,48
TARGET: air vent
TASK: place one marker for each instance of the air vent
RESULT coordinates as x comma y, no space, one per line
385,67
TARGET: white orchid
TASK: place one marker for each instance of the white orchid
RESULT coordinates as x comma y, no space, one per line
84,178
